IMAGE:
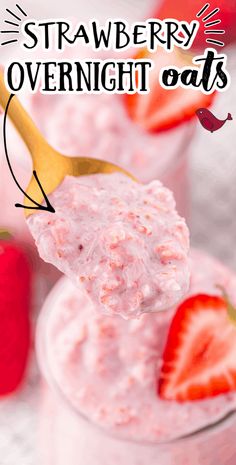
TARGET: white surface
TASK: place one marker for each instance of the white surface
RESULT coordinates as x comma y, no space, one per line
18,424
213,179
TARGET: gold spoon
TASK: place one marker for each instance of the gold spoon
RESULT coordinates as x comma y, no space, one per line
49,164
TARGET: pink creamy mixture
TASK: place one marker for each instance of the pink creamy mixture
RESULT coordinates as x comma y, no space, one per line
108,368
123,241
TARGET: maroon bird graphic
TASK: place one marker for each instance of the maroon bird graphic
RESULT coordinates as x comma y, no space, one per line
209,121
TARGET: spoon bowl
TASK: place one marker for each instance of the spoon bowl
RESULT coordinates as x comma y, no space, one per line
50,165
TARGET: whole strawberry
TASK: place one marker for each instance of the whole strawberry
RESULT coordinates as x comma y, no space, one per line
15,286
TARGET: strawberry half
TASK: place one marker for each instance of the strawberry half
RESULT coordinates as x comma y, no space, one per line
161,108
199,359
15,286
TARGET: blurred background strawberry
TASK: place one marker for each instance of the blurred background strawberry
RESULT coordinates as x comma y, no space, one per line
15,299
187,10
163,109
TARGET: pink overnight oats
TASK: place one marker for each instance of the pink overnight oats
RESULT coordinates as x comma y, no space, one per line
122,240
101,402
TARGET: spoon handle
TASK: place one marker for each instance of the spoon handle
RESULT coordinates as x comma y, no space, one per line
21,120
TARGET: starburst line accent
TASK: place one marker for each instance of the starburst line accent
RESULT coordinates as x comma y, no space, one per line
213,23
204,8
9,42
21,9
213,13
215,42
13,14
12,24
9,32
215,31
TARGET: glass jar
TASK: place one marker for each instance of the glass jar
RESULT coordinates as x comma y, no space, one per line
99,126
68,438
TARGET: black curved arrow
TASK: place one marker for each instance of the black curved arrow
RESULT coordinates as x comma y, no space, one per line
38,206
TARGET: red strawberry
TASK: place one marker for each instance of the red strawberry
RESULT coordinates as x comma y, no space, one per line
186,10
199,359
162,109
15,284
